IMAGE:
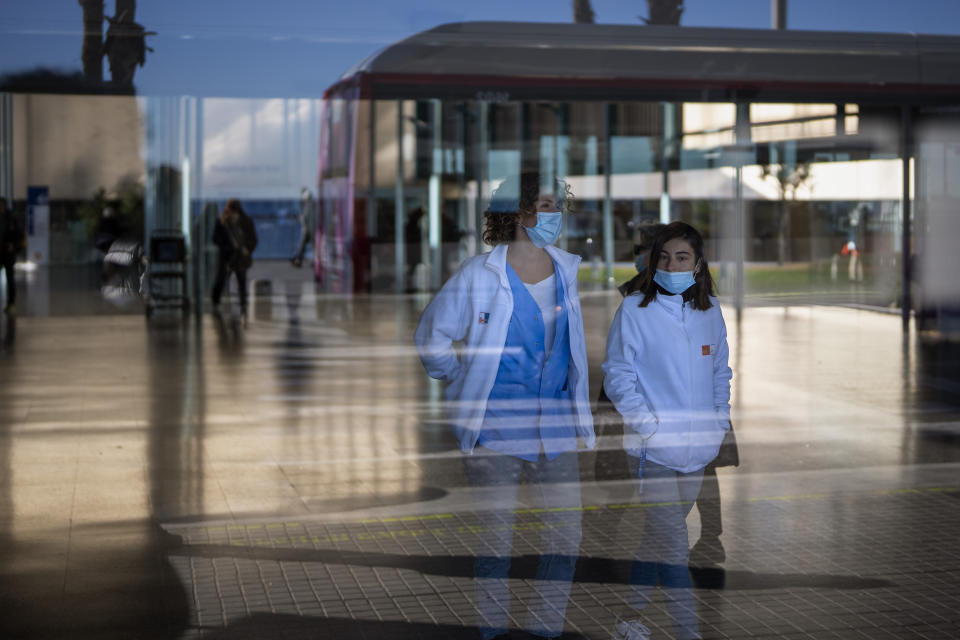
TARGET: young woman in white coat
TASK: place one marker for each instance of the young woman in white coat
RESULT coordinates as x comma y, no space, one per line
666,372
506,335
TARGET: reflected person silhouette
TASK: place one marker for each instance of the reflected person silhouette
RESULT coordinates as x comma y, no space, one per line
308,224
666,372
177,421
296,371
236,237
9,332
517,393
12,241
230,343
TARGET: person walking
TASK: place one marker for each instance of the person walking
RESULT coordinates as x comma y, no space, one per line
308,222
236,236
12,241
517,393
666,373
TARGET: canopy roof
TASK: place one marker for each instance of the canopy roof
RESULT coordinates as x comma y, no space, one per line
588,61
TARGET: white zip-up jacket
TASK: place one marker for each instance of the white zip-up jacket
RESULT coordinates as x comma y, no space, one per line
666,372
473,308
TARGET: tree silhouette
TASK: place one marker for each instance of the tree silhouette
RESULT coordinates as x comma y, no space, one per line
788,178
583,12
125,45
92,52
664,12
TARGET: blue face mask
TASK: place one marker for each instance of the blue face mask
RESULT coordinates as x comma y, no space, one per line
547,230
674,281
639,263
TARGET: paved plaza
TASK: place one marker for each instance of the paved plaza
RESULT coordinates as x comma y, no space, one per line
295,479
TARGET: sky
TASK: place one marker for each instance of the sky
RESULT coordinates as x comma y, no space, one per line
297,48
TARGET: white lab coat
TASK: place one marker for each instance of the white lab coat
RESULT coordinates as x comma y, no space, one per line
473,309
666,372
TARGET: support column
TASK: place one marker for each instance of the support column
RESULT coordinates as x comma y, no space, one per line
668,120
608,238
372,177
436,172
742,134
6,148
906,248
483,166
200,238
163,144
399,213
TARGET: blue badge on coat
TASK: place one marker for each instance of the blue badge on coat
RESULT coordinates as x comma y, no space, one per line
484,317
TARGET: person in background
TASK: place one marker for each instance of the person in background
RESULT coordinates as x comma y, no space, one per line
236,236
643,239
108,231
517,392
614,464
308,222
412,238
12,241
666,373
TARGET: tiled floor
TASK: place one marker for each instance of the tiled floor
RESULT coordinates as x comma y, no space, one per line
294,479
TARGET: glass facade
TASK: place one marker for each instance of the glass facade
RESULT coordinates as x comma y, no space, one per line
290,468
800,202
801,195
809,197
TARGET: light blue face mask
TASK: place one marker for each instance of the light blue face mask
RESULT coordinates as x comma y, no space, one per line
640,262
547,229
674,281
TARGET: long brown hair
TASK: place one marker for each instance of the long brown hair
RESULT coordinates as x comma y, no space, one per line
703,286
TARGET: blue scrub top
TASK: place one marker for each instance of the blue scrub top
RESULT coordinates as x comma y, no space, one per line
530,408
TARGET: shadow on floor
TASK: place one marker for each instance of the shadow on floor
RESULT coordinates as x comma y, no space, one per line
291,627
589,570
109,589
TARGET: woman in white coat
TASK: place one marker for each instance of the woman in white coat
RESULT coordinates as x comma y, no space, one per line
506,335
666,372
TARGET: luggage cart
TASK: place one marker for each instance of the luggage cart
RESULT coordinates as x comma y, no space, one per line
122,277
166,275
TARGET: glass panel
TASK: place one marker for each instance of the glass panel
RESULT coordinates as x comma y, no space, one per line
937,263
820,195
586,162
334,268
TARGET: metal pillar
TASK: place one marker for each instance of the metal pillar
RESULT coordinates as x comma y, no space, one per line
399,214
906,250
6,148
200,239
483,165
607,197
742,132
372,176
778,14
436,171
668,128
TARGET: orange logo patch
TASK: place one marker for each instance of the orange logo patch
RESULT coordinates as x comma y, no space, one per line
705,349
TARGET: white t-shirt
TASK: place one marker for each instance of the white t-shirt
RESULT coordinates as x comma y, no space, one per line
545,295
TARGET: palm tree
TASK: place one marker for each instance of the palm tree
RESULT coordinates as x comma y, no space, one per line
582,12
788,180
125,45
92,53
664,12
